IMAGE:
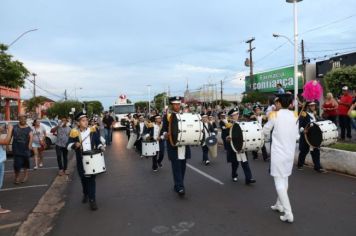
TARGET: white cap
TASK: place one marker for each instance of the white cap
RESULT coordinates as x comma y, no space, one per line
345,88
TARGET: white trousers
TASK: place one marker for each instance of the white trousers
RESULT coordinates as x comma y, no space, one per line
281,184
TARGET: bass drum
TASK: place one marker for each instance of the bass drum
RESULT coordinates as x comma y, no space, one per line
132,140
321,133
185,129
93,162
246,136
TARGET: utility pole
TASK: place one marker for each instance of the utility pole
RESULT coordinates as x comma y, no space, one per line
65,95
221,92
304,63
34,84
251,62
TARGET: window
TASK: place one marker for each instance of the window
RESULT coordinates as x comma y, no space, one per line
124,109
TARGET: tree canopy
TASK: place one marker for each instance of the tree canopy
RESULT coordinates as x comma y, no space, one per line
34,102
12,72
339,77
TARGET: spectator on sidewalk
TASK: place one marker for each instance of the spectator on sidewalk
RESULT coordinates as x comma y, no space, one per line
21,148
4,141
345,103
280,89
63,131
108,123
330,107
38,143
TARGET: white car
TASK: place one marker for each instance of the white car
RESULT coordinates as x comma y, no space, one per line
51,138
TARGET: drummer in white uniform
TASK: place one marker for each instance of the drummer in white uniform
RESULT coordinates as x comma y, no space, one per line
155,133
80,140
235,157
284,135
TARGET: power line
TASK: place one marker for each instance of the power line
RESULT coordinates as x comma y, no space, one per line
328,24
331,50
48,92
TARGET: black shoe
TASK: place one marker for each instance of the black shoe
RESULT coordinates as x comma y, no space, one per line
181,192
160,165
266,159
300,167
93,206
250,181
321,171
155,170
207,162
85,199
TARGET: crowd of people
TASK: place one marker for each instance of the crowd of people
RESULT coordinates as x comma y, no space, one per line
154,127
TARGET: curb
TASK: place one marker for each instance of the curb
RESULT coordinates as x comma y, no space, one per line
40,221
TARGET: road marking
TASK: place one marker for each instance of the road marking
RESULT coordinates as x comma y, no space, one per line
10,225
42,168
24,187
205,174
174,230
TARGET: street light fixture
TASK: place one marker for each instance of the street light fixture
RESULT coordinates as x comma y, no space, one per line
295,52
283,36
20,36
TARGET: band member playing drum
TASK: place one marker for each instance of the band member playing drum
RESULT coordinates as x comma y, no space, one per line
284,135
224,130
83,139
305,119
208,130
235,157
177,155
156,134
261,119
140,130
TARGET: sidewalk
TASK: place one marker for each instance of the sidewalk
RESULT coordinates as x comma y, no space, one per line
22,198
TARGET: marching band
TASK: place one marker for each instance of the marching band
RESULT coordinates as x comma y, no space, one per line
178,129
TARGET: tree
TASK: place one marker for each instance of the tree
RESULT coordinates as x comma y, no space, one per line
34,102
94,107
339,77
12,72
141,106
61,109
159,101
255,96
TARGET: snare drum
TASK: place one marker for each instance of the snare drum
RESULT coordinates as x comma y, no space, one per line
246,136
149,148
321,133
93,162
185,129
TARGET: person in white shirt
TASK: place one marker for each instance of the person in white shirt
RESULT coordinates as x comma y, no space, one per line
284,135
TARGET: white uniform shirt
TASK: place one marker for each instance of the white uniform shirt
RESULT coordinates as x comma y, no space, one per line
313,119
142,124
284,135
156,131
85,137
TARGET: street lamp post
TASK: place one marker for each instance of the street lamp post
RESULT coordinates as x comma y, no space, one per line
75,92
149,98
295,52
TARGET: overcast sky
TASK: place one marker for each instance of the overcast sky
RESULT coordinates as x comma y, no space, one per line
113,47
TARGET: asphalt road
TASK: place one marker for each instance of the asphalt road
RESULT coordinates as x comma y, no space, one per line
22,198
133,200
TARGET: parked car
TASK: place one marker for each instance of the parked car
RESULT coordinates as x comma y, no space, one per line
51,138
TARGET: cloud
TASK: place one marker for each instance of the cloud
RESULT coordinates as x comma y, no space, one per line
198,69
238,80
